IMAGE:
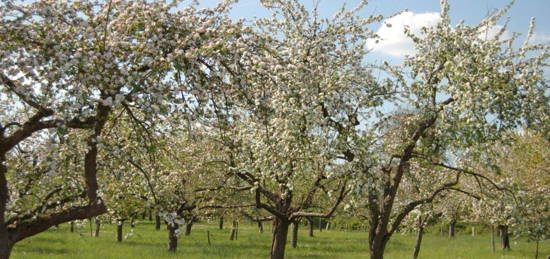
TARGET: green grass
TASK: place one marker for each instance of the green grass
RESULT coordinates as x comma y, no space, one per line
148,243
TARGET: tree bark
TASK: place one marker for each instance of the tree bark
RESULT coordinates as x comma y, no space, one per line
72,226
377,249
493,238
504,237
97,227
295,226
5,242
119,225
260,226
537,250
378,238
157,221
233,233
221,222
310,224
91,227
188,227
452,225
278,243
172,237
5,247
237,231
418,239
150,212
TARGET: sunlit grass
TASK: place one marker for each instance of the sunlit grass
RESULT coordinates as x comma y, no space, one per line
145,242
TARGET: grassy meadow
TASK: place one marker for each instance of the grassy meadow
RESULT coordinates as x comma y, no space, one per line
145,242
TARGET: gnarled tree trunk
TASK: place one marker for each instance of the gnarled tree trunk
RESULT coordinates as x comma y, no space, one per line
119,225
233,233
97,227
418,238
377,247
260,226
493,238
133,222
188,227
280,233
72,226
172,237
295,226
310,224
504,237
452,226
221,222
537,249
157,221
5,243
5,247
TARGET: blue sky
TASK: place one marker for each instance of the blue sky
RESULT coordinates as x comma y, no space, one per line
421,13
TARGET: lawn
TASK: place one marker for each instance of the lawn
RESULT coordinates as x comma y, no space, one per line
145,242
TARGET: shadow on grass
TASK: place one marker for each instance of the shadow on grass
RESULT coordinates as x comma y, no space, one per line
29,248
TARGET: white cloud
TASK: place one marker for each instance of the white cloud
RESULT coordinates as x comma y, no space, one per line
393,40
395,43
492,31
540,38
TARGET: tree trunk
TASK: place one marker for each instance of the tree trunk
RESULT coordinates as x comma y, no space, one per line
91,227
278,242
233,233
310,223
72,226
378,238
157,221
150,212
493,238
418,242
452,229
5,247
537,250
221,222
119,225
5,242
295,226
237,231
133,222
377,249
172,237
97,227
188,227
504,237
261,226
